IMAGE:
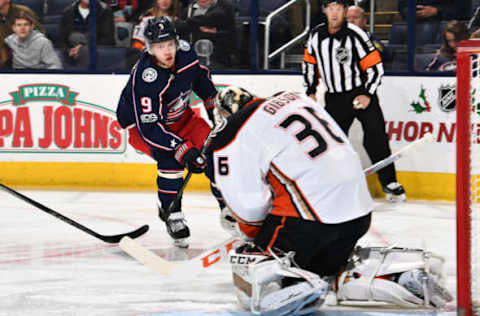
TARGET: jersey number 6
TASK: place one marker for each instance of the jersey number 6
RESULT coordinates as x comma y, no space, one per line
308,131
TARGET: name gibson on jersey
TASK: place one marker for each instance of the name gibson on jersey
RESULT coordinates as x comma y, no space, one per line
279,101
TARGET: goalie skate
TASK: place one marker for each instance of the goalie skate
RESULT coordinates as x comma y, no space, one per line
394,192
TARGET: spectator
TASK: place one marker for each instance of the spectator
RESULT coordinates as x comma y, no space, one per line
213,20
74,29
168,8
31,48
446,57
8,11
128,10
356,15
437,10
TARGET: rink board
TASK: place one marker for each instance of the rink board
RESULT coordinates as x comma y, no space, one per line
60,130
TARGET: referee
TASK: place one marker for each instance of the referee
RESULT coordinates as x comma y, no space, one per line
344,57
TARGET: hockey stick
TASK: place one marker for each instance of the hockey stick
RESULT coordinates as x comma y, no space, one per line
110,239
200,263
427,138
218,127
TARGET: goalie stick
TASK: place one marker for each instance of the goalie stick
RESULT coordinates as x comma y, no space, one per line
106,238
202,262
427,138
217,253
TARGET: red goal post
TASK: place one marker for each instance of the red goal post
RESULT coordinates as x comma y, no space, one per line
468,177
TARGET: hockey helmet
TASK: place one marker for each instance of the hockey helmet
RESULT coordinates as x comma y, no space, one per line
160,29
327,2
231,99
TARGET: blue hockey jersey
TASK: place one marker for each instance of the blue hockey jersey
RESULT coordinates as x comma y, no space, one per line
156,98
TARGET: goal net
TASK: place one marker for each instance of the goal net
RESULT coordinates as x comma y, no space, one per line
468,178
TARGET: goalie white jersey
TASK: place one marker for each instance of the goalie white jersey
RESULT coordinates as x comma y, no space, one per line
287,156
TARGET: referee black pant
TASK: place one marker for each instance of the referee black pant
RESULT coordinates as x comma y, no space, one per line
375,139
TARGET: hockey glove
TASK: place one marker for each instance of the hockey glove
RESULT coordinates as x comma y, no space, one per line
190,157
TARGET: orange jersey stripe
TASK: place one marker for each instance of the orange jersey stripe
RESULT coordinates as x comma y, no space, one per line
249,230
309,58
370,60
288,189
282,203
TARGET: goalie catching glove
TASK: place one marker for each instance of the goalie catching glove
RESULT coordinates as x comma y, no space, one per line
190,157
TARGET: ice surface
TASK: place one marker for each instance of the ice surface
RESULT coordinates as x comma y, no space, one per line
50,268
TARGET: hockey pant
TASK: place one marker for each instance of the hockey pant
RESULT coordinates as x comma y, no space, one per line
170,171
320,248
375,138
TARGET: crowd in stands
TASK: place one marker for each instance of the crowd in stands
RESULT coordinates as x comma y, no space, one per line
54,34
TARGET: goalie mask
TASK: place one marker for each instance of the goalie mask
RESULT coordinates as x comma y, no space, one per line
230,100
159,30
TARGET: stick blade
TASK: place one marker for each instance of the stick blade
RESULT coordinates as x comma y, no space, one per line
146,257
113,239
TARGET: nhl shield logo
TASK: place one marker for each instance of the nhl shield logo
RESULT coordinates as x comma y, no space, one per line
342,55
447,98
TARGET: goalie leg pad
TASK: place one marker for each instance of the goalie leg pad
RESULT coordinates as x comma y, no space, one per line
257,281
372,275
426,286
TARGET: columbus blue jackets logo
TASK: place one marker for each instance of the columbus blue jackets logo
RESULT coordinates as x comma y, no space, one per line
149,75
446,98
342,55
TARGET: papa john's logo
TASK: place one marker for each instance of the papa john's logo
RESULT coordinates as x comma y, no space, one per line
447,97
48,118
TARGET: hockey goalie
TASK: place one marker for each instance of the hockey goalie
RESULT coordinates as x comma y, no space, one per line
294,188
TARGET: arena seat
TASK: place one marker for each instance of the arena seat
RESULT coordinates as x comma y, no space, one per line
422,60
425,33
111,58
55,9
51,31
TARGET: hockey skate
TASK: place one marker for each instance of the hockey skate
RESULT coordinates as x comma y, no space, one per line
176,228
394,192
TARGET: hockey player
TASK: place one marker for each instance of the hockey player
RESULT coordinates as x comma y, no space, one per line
154,108
295,185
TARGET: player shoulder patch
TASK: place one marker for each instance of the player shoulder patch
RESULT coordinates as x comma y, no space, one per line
183,45
149,74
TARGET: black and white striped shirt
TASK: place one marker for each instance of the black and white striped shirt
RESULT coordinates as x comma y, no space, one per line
345,60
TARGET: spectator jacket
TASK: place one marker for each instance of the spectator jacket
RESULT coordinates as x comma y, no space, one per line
220,15
72,21
35,52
